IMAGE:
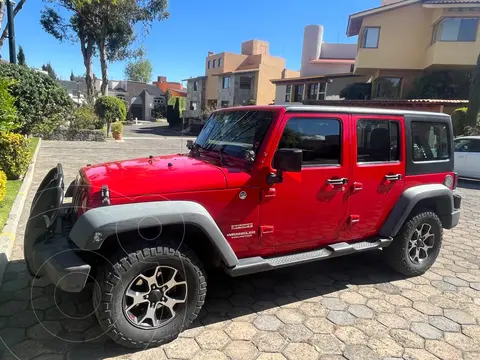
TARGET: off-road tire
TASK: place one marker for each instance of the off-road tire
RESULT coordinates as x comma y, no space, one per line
396,255
113,278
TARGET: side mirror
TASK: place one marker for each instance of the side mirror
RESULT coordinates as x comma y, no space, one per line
189,144
288,160
285,160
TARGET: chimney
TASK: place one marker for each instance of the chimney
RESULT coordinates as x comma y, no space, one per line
312,46
161,79
210,53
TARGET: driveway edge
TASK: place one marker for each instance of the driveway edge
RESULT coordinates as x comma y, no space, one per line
7,236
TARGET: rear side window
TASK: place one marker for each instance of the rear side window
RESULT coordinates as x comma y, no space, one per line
318,138
377,141
430,141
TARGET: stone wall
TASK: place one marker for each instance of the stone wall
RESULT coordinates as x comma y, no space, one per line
76,135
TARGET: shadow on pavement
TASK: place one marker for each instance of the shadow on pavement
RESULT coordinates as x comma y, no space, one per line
469,184
35,318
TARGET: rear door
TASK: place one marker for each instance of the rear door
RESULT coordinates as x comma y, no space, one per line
472,160
309,207
461,148
378,157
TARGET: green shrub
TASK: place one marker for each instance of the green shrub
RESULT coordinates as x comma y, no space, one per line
117,128
110,109
14,155
459,118
85,118
8,111
42,104
3,185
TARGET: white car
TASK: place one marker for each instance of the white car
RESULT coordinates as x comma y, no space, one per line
467,157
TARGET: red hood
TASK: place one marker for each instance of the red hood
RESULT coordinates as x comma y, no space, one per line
160,174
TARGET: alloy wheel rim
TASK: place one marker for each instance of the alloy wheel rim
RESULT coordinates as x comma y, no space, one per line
155,297
421,243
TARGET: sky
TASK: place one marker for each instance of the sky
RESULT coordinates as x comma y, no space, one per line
177,47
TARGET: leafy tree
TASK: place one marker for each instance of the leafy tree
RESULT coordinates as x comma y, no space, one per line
8,111
49,69
474,97
140,70
42,104
21,57
441,85
110,109
3,8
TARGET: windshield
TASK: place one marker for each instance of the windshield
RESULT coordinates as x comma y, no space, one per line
235,132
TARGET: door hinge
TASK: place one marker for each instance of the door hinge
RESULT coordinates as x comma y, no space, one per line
266,229
353,219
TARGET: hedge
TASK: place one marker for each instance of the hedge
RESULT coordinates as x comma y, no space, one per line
14,155
459,118
3,185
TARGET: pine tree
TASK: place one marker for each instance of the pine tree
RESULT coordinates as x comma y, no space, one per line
49,69
21,57
72,76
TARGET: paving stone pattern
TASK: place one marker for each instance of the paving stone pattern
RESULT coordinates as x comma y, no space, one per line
347,308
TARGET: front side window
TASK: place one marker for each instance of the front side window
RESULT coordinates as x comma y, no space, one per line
377,141
456,29
226,82
318,138
288,93
370,37
388,87
430,141
234,132
467,145
298,93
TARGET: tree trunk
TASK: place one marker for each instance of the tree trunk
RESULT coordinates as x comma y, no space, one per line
2,12
474,97
87,43
104,67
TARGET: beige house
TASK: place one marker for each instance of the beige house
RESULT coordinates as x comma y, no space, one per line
402,39
236,79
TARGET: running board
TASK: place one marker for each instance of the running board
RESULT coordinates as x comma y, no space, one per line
258,264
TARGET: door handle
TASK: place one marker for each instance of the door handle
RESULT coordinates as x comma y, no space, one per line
393,177
341,181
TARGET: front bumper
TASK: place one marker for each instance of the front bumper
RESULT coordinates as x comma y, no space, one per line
48,250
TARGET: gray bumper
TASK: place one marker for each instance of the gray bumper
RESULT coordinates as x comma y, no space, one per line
56,258
451,221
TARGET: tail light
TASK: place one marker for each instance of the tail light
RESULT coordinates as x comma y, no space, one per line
455,181
451,181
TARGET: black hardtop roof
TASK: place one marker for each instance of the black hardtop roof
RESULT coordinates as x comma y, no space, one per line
359,110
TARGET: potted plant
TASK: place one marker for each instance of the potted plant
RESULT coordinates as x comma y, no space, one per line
117,130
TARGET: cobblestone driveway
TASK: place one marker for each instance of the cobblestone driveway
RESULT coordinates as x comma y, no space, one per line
346,308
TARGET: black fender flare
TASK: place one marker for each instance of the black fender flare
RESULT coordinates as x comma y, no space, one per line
410,198
93,227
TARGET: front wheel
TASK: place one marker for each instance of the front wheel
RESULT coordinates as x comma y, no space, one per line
417,245
146,297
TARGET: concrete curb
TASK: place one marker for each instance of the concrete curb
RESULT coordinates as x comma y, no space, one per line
7,236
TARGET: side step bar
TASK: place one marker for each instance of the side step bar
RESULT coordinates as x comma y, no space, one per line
258,264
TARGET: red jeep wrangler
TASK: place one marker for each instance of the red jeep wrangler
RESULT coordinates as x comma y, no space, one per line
262,187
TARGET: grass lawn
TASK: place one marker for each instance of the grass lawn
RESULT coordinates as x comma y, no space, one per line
12,189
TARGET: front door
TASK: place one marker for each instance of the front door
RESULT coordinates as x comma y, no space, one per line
378,156
309,207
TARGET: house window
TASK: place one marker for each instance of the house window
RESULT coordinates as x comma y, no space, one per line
220,62
318,138
226,82
312,91
456,29
214,63
209,64
377,140
322,91
370,37
195,85
388,87
298,93
193,105
158,101
352,68
224,104
245,82
121,97
152,113
288,93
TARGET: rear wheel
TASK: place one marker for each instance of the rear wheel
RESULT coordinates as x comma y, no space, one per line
148,296
417,245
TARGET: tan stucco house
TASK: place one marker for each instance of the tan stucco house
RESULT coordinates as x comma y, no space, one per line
402,39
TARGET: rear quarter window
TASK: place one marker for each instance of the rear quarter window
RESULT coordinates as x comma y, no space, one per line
430,141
